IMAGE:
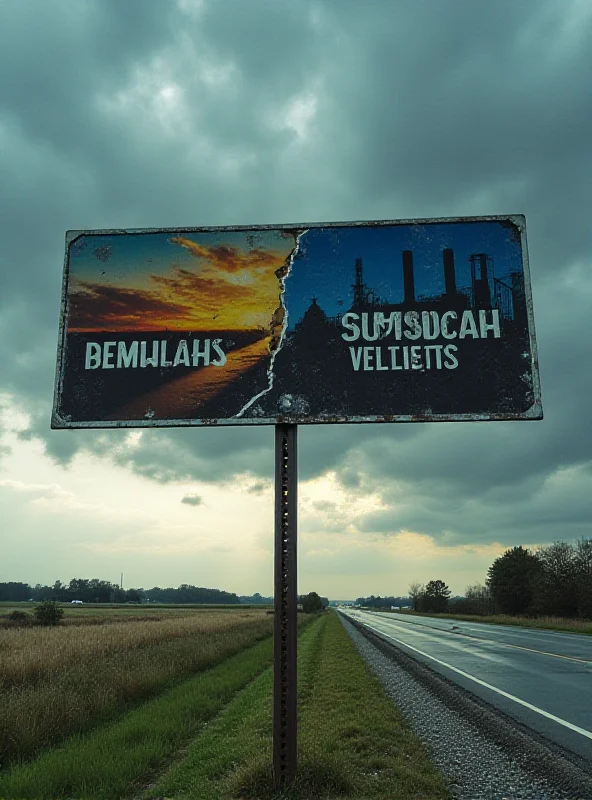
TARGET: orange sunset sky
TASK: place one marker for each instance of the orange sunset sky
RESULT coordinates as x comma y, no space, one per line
152,282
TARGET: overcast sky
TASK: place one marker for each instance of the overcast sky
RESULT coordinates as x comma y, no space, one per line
150,113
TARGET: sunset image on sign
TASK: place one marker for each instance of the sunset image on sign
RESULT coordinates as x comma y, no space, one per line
159,325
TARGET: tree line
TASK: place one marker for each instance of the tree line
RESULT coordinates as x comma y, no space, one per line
383,602
555,580
434,597
94,590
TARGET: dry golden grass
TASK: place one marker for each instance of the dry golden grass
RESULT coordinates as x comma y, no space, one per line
548,623
28,655
105,614
58,681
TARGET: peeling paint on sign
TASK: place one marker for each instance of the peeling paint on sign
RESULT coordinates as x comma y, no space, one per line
279,320
397,321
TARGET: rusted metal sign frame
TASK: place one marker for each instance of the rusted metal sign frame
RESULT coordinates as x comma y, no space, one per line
534,412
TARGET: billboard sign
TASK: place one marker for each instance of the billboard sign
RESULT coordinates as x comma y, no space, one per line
418,320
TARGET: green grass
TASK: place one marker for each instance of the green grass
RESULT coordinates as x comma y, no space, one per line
543,623
117,760
210,737
353,742
238,740
109,762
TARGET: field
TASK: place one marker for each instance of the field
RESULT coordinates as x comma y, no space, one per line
58,681
101,613
176,703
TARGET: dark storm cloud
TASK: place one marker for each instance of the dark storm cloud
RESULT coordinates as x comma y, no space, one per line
149,114
192,500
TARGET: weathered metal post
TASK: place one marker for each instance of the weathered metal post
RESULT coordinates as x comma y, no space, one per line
285,725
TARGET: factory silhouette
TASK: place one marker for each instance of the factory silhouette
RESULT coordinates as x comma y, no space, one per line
493,374
485,292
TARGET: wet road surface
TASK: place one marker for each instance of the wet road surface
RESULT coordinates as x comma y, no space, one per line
543,679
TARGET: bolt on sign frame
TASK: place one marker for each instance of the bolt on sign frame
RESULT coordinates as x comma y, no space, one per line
385,321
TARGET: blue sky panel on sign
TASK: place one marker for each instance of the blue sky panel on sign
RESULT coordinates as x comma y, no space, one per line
325,265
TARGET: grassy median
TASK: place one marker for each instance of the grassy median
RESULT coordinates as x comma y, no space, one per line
209,737
353,742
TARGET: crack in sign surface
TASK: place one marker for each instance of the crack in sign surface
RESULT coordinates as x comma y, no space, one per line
278,320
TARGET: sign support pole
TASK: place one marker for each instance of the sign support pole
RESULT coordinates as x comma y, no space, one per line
285,603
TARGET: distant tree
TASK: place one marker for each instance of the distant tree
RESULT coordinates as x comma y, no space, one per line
555,585
436,596
190,595
255,599
311,603
478,600
48,613
511,579
79,589
103,591
15,592
41,592
381,602
583,566
416,591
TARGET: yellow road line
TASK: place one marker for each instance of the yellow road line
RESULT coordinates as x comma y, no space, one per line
542,652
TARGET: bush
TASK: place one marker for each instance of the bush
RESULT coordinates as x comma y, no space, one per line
48,613
311,603
20,619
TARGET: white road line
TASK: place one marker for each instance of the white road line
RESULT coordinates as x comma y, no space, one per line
576,728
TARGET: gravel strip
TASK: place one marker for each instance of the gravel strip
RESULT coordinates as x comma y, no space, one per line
484,754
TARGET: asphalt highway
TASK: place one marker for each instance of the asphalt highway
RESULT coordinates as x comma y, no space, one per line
543,679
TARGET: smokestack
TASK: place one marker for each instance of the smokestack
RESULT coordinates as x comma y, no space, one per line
449,275
408,280
485,287
483,265
359,279
358,286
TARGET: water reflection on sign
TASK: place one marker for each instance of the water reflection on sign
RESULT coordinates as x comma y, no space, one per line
184,397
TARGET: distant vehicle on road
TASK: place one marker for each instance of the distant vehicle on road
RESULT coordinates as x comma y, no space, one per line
76,602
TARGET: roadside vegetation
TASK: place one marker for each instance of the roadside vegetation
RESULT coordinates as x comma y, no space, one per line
57,681
547,587
353,742
209,736
116,760
544,623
